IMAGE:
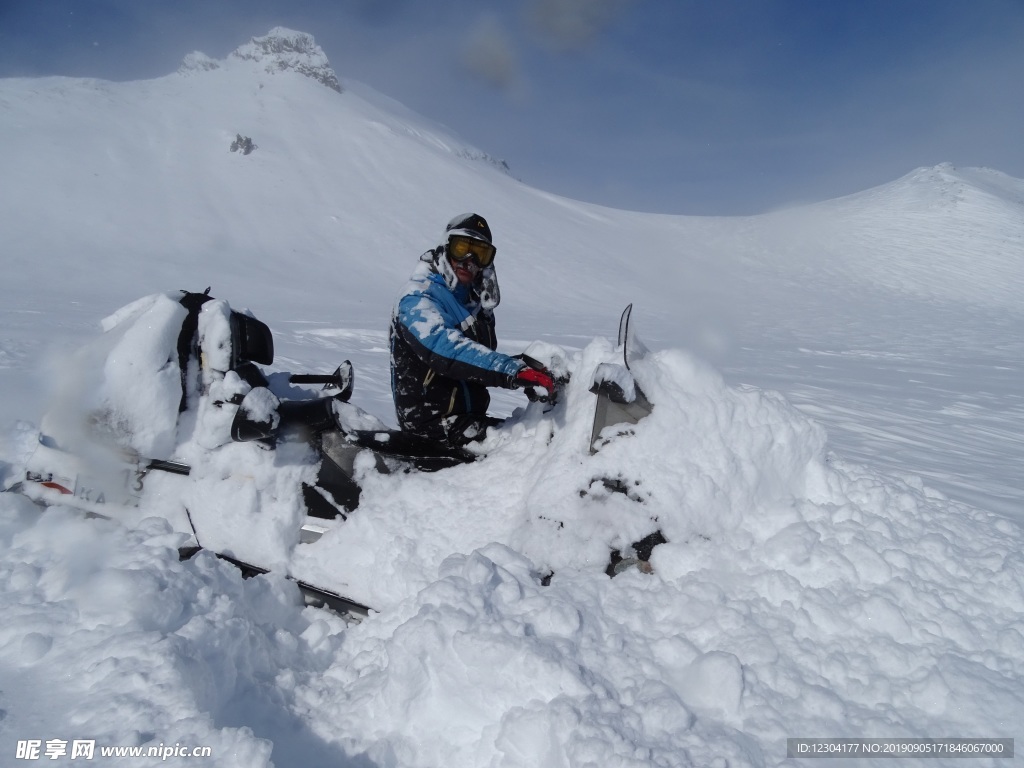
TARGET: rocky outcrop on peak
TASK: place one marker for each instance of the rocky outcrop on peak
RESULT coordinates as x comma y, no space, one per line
478,155
280,50
198,61
284,49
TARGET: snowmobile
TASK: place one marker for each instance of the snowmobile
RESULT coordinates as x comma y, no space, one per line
176,379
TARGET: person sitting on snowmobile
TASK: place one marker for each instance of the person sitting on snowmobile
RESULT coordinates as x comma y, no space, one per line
443,342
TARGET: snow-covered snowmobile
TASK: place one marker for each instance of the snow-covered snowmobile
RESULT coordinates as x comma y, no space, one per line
175,381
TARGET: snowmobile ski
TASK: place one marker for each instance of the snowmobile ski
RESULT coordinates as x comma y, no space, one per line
314,596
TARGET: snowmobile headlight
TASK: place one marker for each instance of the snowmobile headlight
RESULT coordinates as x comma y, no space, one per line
461,248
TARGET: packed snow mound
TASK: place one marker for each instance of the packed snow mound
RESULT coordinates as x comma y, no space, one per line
280,50
142,649
797,594
710,461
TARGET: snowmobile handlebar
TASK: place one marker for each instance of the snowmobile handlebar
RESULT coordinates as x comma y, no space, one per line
343,378
541,394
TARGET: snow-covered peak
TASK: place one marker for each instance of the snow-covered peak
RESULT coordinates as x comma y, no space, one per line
944,186
953,184
279,50
284,49
938,232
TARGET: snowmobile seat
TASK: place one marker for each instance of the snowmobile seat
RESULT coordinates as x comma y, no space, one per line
251,341
289,419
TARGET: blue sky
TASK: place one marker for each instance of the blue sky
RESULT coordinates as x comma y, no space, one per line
674,106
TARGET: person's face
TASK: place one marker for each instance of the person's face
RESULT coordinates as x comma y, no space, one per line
465,270
468,256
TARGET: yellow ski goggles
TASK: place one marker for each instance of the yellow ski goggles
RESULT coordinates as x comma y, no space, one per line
462,248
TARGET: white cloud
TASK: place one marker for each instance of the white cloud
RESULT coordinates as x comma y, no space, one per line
571,23
489,56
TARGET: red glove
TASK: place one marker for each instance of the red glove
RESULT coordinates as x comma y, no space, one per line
530,377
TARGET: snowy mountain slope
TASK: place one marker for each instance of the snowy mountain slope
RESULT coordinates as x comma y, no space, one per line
139,173
906,340
939,234
800,594
136,192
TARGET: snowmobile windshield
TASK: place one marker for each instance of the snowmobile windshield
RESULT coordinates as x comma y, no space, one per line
462,248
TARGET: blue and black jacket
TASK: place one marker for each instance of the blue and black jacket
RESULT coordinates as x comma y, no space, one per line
443,355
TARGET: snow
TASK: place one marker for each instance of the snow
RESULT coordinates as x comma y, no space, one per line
834,453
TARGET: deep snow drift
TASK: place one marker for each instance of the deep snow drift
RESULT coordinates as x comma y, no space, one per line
810,587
